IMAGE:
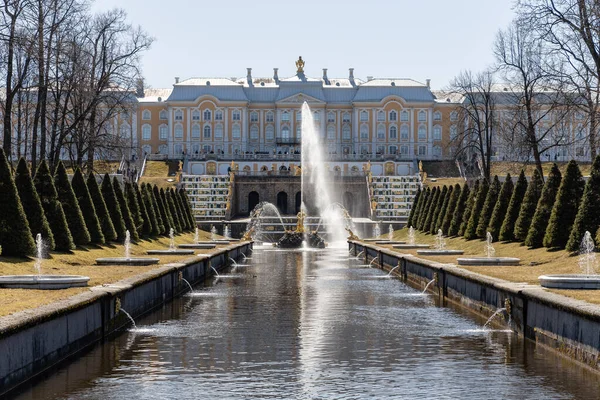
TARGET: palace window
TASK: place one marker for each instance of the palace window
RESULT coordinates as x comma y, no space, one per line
437,116
178,131
422,132
393,116
195,115
178,115
393,133
269,132
207,132
330,117
422,150
346,134
454,116
236,115
163,132
147,149
146,115
381,132
422,116
196,131
364,116
178,149
393,150
219,132
404,116
285,116
437,151
579,116
381,116
236,132
331,132
364,132
163,115
404,150
453,132
163,149
317,116
298,115
298,131
218,115
125,130
253,116
437,132
196,149
270,117
285,132
346,117
380,149
404,132
207,115
146,132
254,132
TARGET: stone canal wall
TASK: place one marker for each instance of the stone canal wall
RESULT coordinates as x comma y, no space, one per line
33,341
570,326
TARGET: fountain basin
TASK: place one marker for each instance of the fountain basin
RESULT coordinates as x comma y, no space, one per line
197,246
570,281
389,242
132,261
176,252
43,282
440,252
499,261
215,242
370,240
411,246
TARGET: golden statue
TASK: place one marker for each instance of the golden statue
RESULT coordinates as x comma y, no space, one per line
300,65
351,235
300,224
248,234
420,166
298,171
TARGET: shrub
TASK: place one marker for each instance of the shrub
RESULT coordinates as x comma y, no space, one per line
88,210
443,208
431,209
469,208
532,196
501,207
459,211
180,212
414,207
108,229
422,209
171,210
15,234
512,213
125,212
164,215
146,194
449,214
187,205
535,236
38,223
488,208
146,227
77,226
471,229
588,215
114,210
162,224
44,185
134,207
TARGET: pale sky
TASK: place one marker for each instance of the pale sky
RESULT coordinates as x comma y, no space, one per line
416,39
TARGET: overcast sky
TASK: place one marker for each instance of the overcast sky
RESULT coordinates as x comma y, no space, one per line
416,39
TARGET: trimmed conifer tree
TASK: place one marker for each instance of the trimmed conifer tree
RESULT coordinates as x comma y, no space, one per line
171,210
488,208
125,212
181,212
414,207
535,236
38,223
443,209
134,207
532,196
15,235
469,208
422,209
436,210
88,210
44,185
565,208
187,205
108,229
162,224
145,192
588,215
459,210
114,210
499,212
146,227
167,222
449,215
512,213
77,226
431,209
471,229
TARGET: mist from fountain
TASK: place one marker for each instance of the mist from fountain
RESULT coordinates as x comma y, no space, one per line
39,255
587,256
196,235
172,240
391,233
213,233
440,242
262,212
411,236
489,249
227,232
377,230
494,316
189,284
427,286
130,318
127,244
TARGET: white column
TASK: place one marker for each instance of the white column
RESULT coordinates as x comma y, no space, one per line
355,131
430,132
261,130
171,132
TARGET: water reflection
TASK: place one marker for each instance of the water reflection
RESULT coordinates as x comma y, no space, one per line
314,325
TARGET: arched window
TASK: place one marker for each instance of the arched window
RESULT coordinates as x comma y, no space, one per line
437,132
298,131
298,115
178,115
331,132
454,116
147,149
404,132
125,130
422,116
163,149
253,116
381,132
270,132
364,132
437,151
346,134
146,115
254,132
422,132
236,132
393,116
163,114
285,116
453,132
404,150
381,115
285,132
330,116
178,131
364,116
270,117
207,132
196,131
178,149
146,132
404,116
219,132
195,115
207,115
163,132
393,133
437,116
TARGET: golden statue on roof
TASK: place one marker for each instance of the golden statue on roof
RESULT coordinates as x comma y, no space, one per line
300,65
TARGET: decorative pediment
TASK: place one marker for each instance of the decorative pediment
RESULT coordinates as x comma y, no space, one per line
300,98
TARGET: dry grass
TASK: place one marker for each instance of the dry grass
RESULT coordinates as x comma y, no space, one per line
501,168
534,262
440,182
157,173
82,262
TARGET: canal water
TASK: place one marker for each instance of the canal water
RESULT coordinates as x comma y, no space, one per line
314,325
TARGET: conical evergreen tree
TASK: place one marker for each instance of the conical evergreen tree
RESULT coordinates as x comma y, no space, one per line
146,193
588,215
456,192
459,210
471,229
162,224
108,229
146,227
187,205
15,235
180,212
512,213
134,207
171,210
443,208
422,209
499,212
431,209
565,208
77,226
488,208
414,207
32,205
44,185
125,212
469,208
532,196
535,236
167,222
436,210
88,210
114,210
